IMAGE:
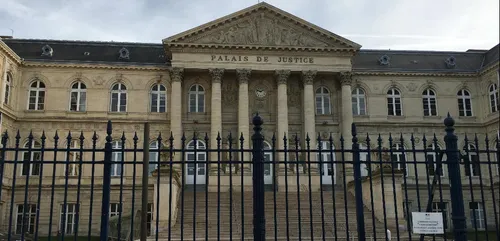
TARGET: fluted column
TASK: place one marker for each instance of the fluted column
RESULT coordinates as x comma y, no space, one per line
345,82
282,121
176,76
243,76
309,109
216,113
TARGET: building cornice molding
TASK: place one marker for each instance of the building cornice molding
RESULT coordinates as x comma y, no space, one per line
9,52
374,73
489,68
37,64
193,47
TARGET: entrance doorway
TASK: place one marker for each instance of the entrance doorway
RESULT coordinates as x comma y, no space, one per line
327,165
196,163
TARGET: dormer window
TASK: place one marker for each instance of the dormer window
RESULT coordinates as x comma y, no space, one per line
124,54
450,62
384,60
47,51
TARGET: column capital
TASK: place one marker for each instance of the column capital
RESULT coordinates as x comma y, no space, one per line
177,74
282,75
345,78
216,75
243,75
308,77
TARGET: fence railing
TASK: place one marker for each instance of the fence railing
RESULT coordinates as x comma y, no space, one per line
360,187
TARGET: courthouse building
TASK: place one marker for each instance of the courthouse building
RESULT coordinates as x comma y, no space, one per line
301,78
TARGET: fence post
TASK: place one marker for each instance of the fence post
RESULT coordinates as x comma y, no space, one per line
145,180
357,184
259,221
457,198
106,184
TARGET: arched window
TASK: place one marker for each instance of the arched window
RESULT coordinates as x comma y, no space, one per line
196,99
36,96
78,99
153,157
464,103
432,160
117,157
322,101
394,106
429,102
398,157
471,160
31,164
494,104
158,98
73,158
358,102
118,98
8,89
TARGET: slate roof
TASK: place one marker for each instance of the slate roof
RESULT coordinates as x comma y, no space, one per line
470,61
88,51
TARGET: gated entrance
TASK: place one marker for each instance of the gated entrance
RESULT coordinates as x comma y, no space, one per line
362,189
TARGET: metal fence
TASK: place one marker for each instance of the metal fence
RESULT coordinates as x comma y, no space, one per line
318,188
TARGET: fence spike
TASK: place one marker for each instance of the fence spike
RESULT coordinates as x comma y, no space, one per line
435,140
43,136
296,141
242,138
307,138
466,140
123,137
171,139
94,137
5,137
135,137
206,138
159,138
318,139
230,138
183,138
379,141
109,128
82,138
354,132
401,139
30,136
56,138
367,140
390,139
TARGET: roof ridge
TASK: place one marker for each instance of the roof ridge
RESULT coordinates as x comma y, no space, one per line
80,41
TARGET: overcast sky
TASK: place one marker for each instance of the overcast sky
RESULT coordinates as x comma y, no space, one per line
383,24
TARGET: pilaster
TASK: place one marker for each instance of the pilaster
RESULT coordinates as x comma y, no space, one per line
347,119
176,77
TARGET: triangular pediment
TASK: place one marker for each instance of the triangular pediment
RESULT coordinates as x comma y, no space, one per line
261,25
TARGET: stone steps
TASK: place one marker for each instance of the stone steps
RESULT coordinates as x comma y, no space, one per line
231,213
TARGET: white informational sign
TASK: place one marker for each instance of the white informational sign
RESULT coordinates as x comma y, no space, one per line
427,223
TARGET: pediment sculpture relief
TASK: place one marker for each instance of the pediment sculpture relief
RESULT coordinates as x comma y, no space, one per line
260,29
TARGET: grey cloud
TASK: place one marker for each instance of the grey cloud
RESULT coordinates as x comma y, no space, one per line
395,24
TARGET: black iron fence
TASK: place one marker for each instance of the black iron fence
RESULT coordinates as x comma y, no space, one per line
281,188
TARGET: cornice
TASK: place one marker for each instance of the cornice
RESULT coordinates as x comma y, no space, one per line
10,52
375,73
172,47
489,68
95,66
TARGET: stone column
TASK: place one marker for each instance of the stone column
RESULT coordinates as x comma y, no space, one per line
243,76
216,114
345,81
282,121
309,110
176,76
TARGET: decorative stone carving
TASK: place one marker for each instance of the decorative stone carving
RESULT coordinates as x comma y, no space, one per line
216,75
176,74
78,75
230,96
282,76
293,92
98,80
345,78
261,29
119,76
412,86
308,77
243,75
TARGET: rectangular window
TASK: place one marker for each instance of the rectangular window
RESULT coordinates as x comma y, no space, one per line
201,103
116,169
477,215
115,209
192,102
441,207
69,219
430,108
472,164
394,106
464,107
398,158
25,218
41,100
31,164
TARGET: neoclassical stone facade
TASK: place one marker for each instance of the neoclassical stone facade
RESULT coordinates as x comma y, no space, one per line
302,79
